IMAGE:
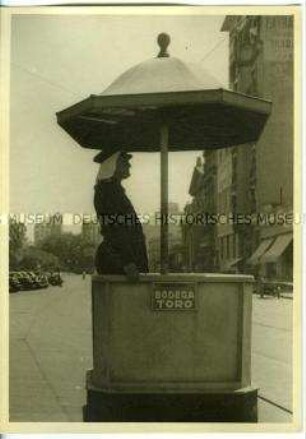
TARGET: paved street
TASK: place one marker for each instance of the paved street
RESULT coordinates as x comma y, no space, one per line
272,356
50,351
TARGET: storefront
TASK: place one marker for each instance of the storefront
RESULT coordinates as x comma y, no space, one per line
273,258
277,261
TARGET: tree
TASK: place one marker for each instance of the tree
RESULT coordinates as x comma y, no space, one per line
34,258
17,242
74,254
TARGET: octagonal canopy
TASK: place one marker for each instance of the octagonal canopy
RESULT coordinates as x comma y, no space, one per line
198,112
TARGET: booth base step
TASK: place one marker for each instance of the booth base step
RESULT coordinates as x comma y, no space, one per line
237,406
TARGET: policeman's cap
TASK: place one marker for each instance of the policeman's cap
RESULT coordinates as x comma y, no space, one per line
104,155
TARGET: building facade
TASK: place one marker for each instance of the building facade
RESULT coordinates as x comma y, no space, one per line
251,187
227,205
199,229
261,65
175,244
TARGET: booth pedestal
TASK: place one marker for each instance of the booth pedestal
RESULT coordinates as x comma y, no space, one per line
171,348
235,406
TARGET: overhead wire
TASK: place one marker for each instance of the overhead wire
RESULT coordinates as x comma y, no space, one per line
54,84
213,49
45,79
220,42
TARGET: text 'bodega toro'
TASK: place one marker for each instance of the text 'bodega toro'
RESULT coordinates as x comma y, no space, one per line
178,297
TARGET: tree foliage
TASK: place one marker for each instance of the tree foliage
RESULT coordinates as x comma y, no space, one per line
65,251
17,242
34,258
73,252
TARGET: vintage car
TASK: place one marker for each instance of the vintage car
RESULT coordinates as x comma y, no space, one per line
55,279
14,284
26,281
42,280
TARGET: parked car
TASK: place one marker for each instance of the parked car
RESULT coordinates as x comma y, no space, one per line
286,286
14,284
273,287
35,279
26,282
55,279
42,281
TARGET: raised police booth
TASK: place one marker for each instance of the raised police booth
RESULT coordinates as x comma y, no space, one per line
170,347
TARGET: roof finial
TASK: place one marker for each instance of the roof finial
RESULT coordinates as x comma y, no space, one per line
163,41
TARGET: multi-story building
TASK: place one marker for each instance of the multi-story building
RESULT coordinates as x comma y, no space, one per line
227,237
199,230
193,232
91,232
175,248
261,64
209,242
253,180
152,235
213,245
51,226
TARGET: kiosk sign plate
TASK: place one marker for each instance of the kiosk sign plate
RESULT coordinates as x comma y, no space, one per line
174,296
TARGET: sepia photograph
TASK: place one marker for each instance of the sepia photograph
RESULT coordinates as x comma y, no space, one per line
153,220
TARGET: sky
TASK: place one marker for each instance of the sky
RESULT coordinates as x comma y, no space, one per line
58,60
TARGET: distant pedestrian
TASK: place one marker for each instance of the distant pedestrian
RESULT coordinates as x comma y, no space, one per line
84,274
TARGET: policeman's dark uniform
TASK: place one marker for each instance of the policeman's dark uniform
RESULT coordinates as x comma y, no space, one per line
123,238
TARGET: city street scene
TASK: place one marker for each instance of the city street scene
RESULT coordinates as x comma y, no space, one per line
151,247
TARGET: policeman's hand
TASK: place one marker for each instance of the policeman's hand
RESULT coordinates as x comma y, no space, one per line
131,272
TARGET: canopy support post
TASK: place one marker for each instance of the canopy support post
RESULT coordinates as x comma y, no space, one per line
164,256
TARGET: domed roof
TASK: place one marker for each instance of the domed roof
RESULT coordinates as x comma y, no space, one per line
161,75
198,112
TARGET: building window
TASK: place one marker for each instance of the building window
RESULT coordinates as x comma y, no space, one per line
234,203
254,82
234,246
227,246
234,169
221,248
252,198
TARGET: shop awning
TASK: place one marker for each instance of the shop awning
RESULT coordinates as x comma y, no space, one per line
277,249
263,246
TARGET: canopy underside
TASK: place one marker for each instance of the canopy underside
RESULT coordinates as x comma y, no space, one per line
196,120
